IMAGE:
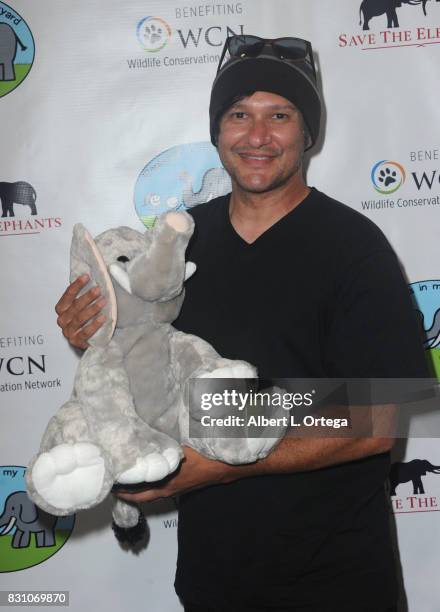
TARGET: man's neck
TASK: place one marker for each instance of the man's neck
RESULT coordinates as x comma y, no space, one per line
252,214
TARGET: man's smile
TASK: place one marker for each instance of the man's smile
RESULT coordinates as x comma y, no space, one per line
254,158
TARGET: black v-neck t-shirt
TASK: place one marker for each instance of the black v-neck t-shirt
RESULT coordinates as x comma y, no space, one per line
319,294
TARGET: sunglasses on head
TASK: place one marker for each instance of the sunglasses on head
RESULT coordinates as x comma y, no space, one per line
242,46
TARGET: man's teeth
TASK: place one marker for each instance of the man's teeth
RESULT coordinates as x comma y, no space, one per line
257,156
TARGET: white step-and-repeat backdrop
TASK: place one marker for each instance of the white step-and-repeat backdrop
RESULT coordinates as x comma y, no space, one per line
104,120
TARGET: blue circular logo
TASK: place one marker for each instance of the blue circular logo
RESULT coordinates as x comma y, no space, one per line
179,178
426,298
28,535
17,49
387,176
153,33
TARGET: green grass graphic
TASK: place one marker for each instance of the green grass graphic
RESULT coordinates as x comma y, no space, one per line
148,221
12,559
21,71
434,355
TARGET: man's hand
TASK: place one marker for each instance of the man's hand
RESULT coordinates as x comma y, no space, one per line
195,472
79,317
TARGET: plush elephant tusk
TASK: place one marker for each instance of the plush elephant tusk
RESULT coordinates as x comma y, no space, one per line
190,268
8,527
121,277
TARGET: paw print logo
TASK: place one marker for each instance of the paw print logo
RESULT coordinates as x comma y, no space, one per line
153,33
387,176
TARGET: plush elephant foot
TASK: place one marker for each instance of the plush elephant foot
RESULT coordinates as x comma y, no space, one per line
70,476
152,467
234,451
247,441
232,370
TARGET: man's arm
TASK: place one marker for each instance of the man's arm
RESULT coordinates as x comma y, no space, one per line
291,455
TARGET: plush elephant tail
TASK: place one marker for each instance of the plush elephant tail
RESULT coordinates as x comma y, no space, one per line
129,524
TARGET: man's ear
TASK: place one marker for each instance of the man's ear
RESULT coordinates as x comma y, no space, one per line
85,258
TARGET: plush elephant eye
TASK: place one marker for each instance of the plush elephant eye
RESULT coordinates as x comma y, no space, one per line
123,258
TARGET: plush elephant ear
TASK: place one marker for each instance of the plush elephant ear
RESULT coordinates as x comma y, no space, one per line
85,258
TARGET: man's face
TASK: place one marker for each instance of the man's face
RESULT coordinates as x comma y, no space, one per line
261,142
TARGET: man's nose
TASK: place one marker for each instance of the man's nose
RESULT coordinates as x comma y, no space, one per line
259,133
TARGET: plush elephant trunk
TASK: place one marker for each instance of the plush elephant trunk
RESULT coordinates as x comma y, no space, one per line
6,529
159,273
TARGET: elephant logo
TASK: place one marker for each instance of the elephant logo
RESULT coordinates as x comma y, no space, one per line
426,299
17,193
214,181
17,49
153,33
387,176
8,47
28,535
432,333
20,512
179,178
374,8
411,472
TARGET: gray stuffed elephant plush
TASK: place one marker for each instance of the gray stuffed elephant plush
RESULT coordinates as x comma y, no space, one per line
128,416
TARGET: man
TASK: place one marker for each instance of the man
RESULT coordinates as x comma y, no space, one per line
301,286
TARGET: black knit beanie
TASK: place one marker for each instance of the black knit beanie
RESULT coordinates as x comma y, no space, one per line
295,81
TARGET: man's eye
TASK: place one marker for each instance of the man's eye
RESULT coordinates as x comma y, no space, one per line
238,115
280,115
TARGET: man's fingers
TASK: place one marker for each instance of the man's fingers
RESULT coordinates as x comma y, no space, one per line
86,314
79,319
70,293
76,308
77,342
81,337
77,305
